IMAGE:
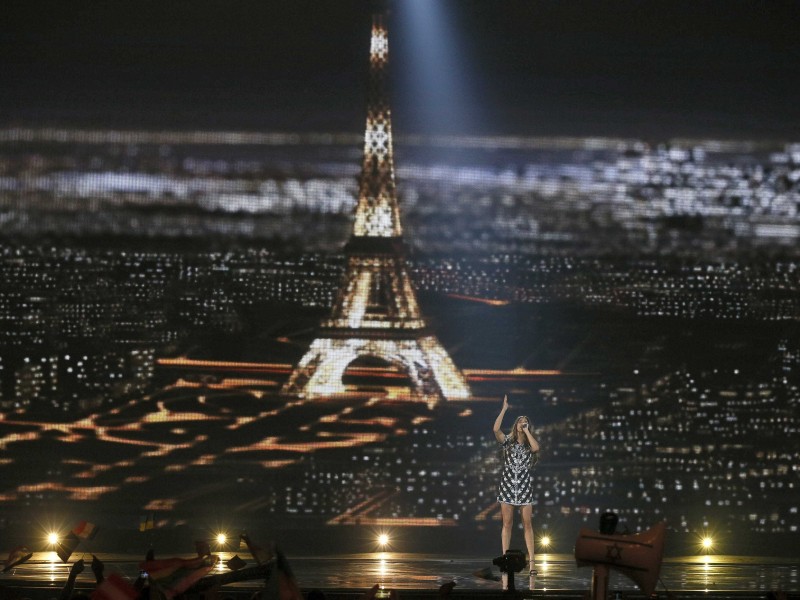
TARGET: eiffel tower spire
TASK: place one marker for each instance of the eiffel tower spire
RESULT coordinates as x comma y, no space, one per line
377,214
375,313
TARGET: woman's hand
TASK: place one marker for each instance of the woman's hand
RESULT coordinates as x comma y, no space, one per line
532,440
499,420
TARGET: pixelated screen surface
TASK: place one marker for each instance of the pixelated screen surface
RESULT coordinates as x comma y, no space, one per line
193,327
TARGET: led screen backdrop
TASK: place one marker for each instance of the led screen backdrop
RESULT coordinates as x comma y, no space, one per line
168,259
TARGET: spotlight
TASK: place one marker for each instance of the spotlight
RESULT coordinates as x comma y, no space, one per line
52,538
545,541
221,538
383,540
708,543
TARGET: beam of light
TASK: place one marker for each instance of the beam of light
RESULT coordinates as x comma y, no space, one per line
435,65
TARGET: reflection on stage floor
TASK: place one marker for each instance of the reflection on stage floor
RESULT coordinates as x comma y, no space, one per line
557,574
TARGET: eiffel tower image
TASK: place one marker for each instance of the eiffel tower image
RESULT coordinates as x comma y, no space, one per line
376,313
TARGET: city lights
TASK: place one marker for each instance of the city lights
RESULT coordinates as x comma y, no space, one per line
618,289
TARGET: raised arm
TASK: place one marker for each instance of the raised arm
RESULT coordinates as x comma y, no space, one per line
69,586
499,420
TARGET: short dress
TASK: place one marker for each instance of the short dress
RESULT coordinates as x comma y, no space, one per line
516,480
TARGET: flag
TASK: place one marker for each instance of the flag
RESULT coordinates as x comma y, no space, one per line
202,547
114,587
261,556
67,546
283,585
85,530
175,575
147,522
235,563
16,557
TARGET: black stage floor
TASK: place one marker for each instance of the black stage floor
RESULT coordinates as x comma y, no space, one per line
419,575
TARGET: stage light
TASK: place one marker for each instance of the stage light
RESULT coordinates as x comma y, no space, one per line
545,541
221,538
708,543
383,540
52,538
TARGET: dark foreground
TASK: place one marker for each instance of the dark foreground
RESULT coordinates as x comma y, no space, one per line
418,575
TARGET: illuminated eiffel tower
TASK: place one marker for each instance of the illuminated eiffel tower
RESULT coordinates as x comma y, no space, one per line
376,313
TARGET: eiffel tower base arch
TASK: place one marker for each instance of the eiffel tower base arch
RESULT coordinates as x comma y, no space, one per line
433,375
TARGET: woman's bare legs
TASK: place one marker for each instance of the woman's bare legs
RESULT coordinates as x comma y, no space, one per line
527,525
507,511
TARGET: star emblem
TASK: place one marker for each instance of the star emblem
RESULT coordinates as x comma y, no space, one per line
614,553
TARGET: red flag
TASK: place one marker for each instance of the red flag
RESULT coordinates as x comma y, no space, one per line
114,587
176,575
85,530
67,546
16,557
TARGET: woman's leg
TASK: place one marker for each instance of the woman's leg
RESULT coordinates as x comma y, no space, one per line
507,511
527,525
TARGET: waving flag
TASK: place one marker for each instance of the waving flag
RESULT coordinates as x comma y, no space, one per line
202,547
85,530
16,557
175,575
114,587
262,556
147,522
235,563
67,546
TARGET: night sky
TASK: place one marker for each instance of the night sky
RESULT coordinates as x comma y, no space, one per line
645,69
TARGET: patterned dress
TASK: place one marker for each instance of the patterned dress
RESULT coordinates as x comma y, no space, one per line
516,480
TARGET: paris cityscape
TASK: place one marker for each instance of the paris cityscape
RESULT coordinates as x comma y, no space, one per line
655,327
175,302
